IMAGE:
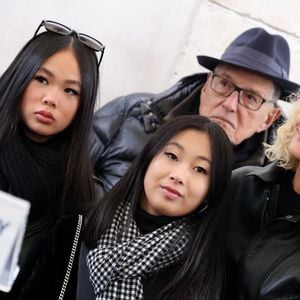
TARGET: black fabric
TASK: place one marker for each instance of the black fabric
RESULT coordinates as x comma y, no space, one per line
155,284
33,171
262,249
289,200
47,277
147,223
85,289
248,150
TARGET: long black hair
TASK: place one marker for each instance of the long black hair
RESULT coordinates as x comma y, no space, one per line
78,185
201,275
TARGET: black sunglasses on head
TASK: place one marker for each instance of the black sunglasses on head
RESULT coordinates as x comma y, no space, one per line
87,40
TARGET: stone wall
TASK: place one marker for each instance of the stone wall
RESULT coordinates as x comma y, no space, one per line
218,22
151,44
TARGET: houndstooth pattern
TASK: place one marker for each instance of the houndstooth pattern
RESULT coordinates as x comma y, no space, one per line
117,266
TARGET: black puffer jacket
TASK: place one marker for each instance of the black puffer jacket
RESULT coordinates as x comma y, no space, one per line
264,250
124,125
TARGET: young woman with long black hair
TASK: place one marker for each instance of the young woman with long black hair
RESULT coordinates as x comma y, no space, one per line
156,235
47,98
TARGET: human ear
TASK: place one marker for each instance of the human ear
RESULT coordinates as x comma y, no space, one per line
270,119
204,92
208,79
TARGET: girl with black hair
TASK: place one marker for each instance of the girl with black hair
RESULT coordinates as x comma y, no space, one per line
156,235
47,99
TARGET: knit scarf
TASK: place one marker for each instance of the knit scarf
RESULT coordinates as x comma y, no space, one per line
120,261
33,171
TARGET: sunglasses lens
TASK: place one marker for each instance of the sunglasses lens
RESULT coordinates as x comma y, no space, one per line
57,28
64,30
90,42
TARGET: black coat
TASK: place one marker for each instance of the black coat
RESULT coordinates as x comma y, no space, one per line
55,273
35,172
124,125
264,250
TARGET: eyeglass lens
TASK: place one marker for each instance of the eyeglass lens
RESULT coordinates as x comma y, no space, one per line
57,28
226,88
250,100
90,42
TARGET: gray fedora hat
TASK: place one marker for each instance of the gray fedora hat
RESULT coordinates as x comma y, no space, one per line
259,51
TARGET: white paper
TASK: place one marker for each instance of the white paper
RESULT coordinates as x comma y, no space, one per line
13,218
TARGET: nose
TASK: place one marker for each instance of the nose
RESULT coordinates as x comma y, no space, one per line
49,103
176,180
178,176
51,99
231,102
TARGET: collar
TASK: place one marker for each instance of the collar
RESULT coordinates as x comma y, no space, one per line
189,105
268,173
179,99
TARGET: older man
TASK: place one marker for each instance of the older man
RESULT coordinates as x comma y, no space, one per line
239,94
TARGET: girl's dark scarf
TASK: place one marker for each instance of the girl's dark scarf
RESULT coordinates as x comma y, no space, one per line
34,171
123,257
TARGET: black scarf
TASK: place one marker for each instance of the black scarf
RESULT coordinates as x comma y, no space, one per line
34,171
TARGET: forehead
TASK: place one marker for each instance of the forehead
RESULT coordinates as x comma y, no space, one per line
63,64
192,141
246,79
64,57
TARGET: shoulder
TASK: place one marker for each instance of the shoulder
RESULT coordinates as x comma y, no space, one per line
246,193
108,119
123,103
267,173
242,178
249,183
183,86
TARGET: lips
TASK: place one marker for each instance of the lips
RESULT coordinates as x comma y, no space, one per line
45,114
171,191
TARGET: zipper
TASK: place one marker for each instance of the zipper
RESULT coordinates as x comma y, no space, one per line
71,259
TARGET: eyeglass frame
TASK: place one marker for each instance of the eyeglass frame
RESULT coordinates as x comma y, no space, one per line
239,90
78,35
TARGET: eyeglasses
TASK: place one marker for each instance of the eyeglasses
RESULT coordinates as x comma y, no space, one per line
87,40
248,99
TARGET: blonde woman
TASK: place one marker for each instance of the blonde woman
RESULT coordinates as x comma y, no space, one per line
263,220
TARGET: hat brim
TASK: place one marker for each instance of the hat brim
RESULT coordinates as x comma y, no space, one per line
286,86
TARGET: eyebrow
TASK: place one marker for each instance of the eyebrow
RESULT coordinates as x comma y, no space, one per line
49,73
198,156
229,78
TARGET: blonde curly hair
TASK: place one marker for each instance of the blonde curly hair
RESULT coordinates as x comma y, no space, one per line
279,151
